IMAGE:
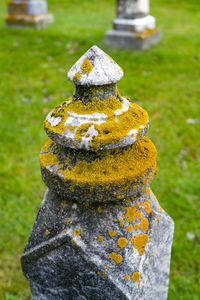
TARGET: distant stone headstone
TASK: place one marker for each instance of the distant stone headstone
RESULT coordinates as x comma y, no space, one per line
25,13
100,232
133,26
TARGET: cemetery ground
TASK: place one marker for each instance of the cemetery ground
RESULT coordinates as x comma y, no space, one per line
165,81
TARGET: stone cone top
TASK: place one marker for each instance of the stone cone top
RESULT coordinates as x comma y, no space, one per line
95,67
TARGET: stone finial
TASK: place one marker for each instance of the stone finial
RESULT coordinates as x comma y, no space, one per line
95,67
100,232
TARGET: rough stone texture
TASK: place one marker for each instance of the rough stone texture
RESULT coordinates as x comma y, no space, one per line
99,237
103,71
133,27
122,39
24,13
62,265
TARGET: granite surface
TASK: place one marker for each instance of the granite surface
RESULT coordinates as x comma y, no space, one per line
100,232
68,255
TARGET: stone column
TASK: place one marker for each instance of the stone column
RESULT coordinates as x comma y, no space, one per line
100,232
23,13
133,26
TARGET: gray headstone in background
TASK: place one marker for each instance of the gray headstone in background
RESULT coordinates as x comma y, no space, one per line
100,232
23,13
133,26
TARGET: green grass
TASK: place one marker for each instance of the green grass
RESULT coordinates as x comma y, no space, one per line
164,80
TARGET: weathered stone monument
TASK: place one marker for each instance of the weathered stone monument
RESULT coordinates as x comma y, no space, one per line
23,13
133,26
100,232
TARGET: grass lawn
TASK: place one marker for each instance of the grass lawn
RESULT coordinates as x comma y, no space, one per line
165,81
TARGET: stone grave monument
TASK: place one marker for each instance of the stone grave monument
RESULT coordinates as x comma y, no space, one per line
133,26
24,13
100,232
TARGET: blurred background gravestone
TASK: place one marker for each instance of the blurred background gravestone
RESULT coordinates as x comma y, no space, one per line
23,13
133,26
100,232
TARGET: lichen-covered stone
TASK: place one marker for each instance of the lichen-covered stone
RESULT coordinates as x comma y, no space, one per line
133,27
22,13
100,232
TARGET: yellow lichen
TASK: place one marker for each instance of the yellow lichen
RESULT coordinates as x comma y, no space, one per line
140,241
147,207
127,277
47,232
136,276
131,213
77,232
136,226
86,66
100,238
78,75
63,203
122,242
141,251
144,224
116,257
99,209
121,223
112,233
130,228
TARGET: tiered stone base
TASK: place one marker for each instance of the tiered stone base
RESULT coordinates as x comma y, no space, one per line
129,39
25,20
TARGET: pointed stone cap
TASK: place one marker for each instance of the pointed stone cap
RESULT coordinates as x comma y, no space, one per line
95,67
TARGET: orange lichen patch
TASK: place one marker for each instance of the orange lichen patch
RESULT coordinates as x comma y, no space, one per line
131,213
130,228
169,221
147,207
146,33
140,241
112,233
144,224
122,242
99,209
141,251
136,276
139,214
77,76
100,238
117,257
153,213
63,203
68,222
127,277
86,66
160,208
98,273
136,226
121,223
47,232
77,232
158,219
149,253
148,191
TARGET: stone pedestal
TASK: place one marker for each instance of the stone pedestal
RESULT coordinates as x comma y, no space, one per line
133,26
31,13
100,232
